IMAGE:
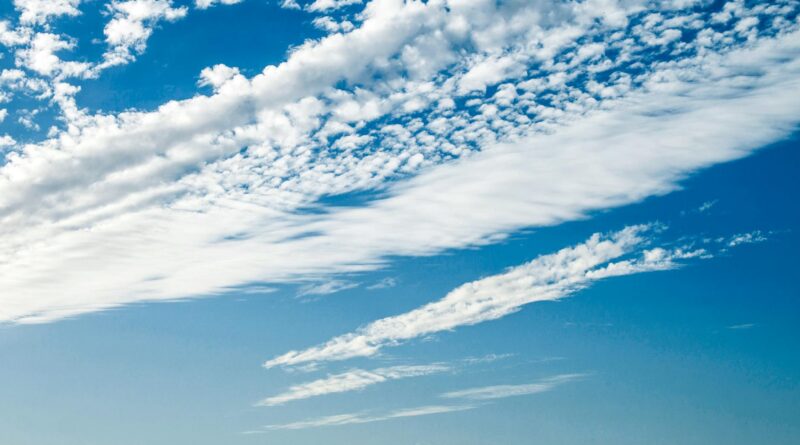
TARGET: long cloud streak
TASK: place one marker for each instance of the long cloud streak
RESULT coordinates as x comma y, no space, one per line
353,380
546,278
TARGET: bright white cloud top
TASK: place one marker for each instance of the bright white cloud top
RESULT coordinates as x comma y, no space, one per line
570,108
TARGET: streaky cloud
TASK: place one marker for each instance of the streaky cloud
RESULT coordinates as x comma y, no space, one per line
503,391
352,380
357,418
546,278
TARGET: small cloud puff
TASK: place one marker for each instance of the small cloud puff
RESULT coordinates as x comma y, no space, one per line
7,141
218,75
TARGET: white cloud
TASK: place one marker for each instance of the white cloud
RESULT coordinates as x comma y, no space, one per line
503,391
6,141
40,56
210,193
489,72
289,4
741,326
39,50
131,24
327,5
40,11
353,380
706,206
218,75
326,288
489,358
546,278
383,284
475,394
203,4
13,37
327,23
358,418
755,236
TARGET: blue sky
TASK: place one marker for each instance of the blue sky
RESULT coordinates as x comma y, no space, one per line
442,222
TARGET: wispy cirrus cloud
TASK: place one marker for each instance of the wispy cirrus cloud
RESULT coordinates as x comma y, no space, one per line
352,380
383,284
741,326
357,418
326,288
503,391
482,394
488,358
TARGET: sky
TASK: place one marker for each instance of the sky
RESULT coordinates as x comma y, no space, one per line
400,222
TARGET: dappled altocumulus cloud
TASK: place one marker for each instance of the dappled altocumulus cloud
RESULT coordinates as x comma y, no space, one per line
577,107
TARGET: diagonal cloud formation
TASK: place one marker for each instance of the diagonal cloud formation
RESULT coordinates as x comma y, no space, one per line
358,418
503,391
353,380
475,394
546,278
